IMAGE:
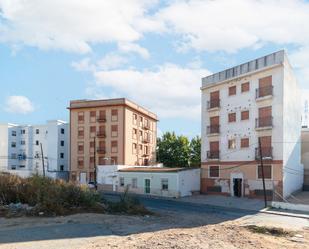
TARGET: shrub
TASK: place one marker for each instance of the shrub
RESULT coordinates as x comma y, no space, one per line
53,197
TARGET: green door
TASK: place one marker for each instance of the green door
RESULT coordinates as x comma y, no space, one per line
147,186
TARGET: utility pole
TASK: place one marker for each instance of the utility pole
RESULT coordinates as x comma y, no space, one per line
95,166
42,160
262,167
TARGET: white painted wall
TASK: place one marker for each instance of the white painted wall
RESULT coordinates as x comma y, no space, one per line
293,170
189,180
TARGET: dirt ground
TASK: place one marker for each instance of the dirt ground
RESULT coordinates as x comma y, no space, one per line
168,230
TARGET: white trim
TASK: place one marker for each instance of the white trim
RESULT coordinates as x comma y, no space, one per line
237,175
266,179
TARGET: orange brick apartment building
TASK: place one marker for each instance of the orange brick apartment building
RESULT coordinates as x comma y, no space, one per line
108,132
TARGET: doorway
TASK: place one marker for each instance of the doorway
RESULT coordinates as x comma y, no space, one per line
237,187
83,177
147,186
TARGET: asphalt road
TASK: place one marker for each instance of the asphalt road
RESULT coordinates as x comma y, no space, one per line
161,205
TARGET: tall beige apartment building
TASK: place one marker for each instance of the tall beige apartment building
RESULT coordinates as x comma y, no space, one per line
109,132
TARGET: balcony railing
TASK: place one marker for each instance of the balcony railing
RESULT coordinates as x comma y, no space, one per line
101,134
146,126
267,153
146,140
101,150
213,129
213,154
264,122
101,119
213,103
263,91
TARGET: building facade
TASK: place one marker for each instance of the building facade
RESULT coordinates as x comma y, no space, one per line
256,100
110,132
20,148
305,156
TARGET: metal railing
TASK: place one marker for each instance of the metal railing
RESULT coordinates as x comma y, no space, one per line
101,119
267,153
213,103
101,150
213,154
213,129
101,134
264,122
263,91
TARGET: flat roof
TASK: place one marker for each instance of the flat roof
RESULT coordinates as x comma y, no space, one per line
276,58
154,169
88,103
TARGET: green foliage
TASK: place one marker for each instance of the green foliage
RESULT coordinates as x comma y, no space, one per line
53,197
178,151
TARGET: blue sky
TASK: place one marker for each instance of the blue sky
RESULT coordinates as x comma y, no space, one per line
152,52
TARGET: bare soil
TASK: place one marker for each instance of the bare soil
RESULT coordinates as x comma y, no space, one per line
168,230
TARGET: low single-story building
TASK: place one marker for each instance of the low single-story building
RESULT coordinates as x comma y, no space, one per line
159,181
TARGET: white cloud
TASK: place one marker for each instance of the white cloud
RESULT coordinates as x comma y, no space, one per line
169,90
111,61
18,105
226,25
83,65
72,25
132,47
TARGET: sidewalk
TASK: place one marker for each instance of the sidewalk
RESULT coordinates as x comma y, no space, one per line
225,201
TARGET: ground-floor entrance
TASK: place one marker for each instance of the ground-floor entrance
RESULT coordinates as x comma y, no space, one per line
237,187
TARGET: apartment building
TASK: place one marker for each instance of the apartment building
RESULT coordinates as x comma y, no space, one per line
20,148
110,132
259,99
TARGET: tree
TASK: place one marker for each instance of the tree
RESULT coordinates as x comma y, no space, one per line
173,151
195,152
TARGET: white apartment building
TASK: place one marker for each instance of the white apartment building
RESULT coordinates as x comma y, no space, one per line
257,99
20,148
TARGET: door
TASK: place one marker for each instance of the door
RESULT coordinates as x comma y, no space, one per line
214,124
214,99
265,86
147,186
83,177
265,118
237,187
214,149
266,146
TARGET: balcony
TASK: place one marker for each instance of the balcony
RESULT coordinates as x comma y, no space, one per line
101,134
213,130
264,123
213,155
267,153
101,119
101,150
264,92
146,127
146,140
213,104
146,154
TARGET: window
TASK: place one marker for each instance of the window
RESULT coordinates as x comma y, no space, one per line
244,143
141,121
232,90
164,184
22,166
121,181
61,167
232,117
13,133
134,148
267,172
23,131
134,118
140,135
214,171
232,144
37,131
91,144
114,160
13,156
61,143
114,130
134,182
13,144
91,162
134,132
140,149
114,146
93,114
37,142
23,142
244,115
80,132
245,87
61,155
80,147
114,115
93,129
80,162
62,131
13,167
81,117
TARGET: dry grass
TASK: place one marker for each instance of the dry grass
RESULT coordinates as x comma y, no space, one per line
270,231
